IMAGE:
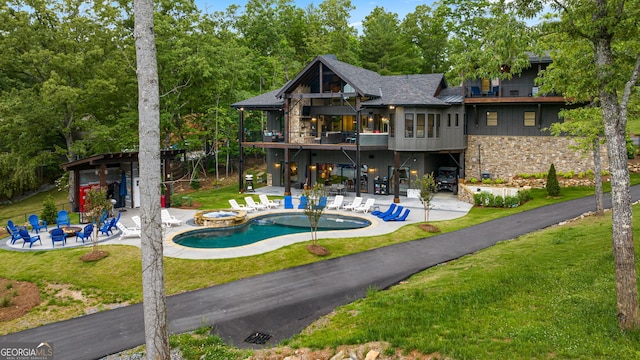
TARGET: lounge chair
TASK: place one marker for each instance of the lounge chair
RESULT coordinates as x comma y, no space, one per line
357,201
253,204
37,224
63,218
303,202
366,206
169,219
24,234
58,234
322,203
288,202
86,233
125,231
381,214
235,206
395,214
264,200
336,203
402,217
137,222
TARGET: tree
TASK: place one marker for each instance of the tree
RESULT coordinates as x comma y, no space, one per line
427,35
552,186
428,188
96,204
609,27
313,211
331,32
154,301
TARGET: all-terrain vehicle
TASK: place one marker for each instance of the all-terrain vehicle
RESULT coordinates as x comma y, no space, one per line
447,179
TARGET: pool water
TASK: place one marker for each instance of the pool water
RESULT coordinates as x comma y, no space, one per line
264,227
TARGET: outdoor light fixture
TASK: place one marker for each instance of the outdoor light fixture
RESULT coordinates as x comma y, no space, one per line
391,107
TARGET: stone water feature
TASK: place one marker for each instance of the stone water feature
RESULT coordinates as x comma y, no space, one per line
219,218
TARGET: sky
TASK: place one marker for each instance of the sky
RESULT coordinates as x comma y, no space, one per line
363,8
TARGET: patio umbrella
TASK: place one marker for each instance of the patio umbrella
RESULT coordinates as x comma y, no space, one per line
123,187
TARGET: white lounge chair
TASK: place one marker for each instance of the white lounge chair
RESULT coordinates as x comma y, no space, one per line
235,206
125,231
252,204
137,222
169,219
357,201
264,200
366,206
336,203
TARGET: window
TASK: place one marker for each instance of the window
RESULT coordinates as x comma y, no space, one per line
420,126
492,118
430,125
448,120
457,120
437,125
392,125
408,125
529,118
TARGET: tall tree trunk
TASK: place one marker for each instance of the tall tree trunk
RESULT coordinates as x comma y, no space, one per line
154,301
622,230
597,169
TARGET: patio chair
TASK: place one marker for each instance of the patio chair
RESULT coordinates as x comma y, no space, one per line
112,225
37,224
106,228
475,91
322,203
125,231
24,234
288,202
235,206
63,218
381,214
393,215
357,201
169,219
14,231
58,234
264,200
253,204
303,202
137,222
86,233
336,203
402,217
366,206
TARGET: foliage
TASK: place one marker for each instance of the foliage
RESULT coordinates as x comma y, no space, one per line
96,204
203,344
49,210
428,188
314,210
487,199
552,186
195,180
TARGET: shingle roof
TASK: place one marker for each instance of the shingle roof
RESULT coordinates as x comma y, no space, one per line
420,89
266,100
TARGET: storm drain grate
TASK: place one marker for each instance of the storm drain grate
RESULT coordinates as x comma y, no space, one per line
257,338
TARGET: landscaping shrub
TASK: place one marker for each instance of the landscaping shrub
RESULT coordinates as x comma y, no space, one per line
553,186
524,196
49,210
511,201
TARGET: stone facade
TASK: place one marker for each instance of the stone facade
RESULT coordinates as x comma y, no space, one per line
505,157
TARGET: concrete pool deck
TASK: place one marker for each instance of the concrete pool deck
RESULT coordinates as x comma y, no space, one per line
445,206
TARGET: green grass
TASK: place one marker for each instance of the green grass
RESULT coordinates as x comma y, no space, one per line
633,124
550,294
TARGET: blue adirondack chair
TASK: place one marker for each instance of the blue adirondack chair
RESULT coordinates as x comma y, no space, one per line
381,214
322,203
63,218
106,228
24,234
402,217
303,202
112,225
15,235
288,202
36,223
394,214
86,233
14,231
58,235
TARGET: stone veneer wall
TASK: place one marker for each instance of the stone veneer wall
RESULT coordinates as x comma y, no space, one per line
295,115
508,156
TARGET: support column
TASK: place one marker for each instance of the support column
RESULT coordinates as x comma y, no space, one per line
396,177
358,165
240,154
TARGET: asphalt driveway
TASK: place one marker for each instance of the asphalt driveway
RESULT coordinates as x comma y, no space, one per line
282,303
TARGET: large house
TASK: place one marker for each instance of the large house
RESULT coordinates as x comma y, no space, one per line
336,123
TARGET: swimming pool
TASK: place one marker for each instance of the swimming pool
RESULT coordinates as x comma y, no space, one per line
264,227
